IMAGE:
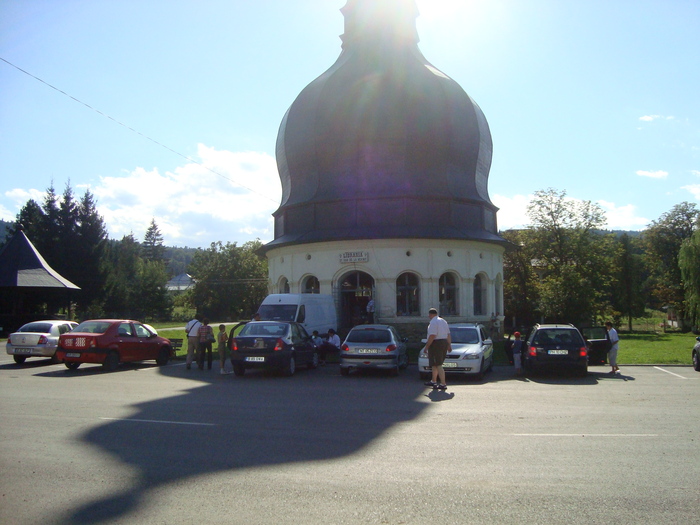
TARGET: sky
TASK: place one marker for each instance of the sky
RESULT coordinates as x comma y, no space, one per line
170,109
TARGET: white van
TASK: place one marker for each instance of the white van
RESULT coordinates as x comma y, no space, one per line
313,311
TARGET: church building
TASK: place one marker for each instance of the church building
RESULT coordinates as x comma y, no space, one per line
384,162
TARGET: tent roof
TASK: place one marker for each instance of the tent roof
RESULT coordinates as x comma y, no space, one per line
21,265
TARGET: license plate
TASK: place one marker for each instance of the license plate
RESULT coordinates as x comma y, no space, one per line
366,350
256,359
558,352
449,365
72,354
23,350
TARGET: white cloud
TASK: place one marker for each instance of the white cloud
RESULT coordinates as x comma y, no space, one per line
651,118
622,217
653,174
193,206
694,189
512,211
695,172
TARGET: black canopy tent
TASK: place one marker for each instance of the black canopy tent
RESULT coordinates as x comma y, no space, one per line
29,287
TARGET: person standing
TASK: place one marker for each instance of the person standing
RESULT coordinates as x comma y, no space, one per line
438,345
206,338
370,311
192,331
614,342
517,353
221,339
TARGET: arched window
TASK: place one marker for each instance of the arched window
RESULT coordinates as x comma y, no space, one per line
448,294
284,285
479,295
311,285
408,295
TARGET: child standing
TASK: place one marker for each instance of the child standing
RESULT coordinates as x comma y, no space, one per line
222,339
517,352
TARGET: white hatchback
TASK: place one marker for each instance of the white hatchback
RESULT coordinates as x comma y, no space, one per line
472,352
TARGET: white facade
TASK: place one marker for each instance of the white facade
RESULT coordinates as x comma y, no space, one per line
406,277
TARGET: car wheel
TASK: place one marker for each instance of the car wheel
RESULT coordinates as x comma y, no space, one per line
314,361
19,359
696,361
404,366
72,366
163,357
290,368
344,371
238,369
111,362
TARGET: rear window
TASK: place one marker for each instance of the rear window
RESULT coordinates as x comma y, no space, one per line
264,329
464,335
93,327
369,336
40,328
553,336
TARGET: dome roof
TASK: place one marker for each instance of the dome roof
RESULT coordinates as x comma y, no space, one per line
383,144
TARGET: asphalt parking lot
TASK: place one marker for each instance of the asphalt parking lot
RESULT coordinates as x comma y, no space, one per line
167,445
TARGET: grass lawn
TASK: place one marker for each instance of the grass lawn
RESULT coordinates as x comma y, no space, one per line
671,348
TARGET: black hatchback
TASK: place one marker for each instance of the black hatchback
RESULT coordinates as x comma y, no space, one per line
555,346
272,344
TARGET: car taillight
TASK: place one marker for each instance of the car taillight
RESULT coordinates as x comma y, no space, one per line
391,348
345,348
533,351
43,340
583,351
279,345
234,345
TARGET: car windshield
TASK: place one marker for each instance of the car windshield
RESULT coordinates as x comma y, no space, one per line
93,327
369,336
468,336
265,329
40,328
553,336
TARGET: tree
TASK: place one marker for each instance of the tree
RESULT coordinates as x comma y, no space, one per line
231,281
663,241
520,291
153,249
689,263
627,297
570,257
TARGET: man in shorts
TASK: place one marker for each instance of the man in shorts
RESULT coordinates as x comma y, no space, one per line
438,345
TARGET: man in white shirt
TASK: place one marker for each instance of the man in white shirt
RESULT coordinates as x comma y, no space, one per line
438,345
192,329
332,345
612,354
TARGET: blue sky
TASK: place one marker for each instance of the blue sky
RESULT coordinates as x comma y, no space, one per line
598,98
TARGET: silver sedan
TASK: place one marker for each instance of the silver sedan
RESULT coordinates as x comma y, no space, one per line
37,339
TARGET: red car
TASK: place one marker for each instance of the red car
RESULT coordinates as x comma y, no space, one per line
111,341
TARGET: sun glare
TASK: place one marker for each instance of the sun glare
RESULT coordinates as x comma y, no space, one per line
442,8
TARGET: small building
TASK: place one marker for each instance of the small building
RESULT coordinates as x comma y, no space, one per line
180,284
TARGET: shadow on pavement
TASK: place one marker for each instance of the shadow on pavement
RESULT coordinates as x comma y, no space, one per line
232,423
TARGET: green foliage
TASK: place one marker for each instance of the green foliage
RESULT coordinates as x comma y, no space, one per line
231,281
689,264
152,247
627,297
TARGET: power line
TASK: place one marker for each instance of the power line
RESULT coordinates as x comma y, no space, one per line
190,159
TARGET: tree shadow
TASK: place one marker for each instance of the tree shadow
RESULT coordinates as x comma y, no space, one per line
234,423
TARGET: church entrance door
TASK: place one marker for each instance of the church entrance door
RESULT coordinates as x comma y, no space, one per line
356,289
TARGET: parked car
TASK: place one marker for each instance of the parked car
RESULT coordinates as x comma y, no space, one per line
111,341
272,344
472,352
373,346
37,339
696,355
555,346
598,342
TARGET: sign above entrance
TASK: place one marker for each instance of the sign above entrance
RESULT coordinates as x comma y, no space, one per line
354,257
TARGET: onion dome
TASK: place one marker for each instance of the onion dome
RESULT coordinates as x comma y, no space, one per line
383,144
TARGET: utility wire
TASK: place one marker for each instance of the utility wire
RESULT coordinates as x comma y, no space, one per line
136,131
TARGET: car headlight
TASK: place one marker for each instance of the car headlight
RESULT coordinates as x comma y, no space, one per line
471,356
